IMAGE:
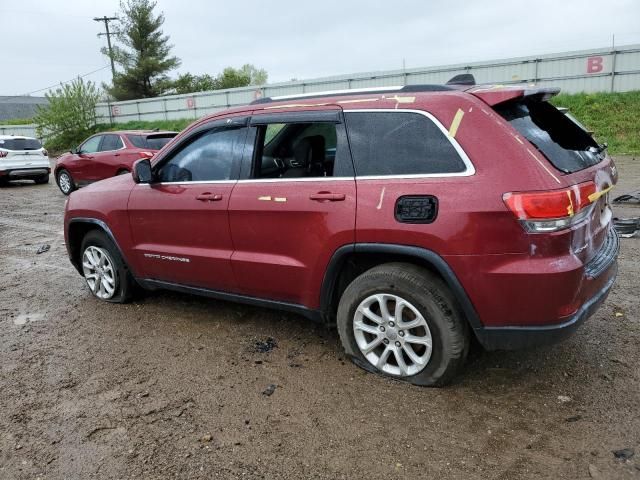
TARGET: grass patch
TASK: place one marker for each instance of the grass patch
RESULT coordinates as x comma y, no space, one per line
613,117
17,121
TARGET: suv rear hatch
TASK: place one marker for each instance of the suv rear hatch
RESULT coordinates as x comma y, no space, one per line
21,152
578,202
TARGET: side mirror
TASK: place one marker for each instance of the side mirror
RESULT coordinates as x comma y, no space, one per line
142,172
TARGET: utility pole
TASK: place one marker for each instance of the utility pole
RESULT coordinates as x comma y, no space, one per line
106,21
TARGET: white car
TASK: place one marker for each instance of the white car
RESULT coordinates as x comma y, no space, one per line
23,158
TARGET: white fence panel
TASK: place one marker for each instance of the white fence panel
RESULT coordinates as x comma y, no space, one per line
594,70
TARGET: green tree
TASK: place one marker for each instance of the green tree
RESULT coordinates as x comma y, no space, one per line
257,76
229,78
232,78
144,53
188,83
70,115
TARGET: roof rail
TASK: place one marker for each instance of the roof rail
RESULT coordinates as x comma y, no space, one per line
355,91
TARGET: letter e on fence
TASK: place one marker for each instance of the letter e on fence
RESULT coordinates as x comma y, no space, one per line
191,102
595,64
115,110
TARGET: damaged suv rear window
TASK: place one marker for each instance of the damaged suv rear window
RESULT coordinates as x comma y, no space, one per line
568,147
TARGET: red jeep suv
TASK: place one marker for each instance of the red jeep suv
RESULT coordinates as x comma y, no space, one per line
106,155
412,218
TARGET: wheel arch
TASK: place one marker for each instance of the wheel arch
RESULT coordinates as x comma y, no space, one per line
350,261
78,229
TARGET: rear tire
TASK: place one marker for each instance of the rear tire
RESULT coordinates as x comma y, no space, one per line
65,182
104,270
42,180
402,321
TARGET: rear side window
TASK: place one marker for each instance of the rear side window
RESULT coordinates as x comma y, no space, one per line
566,145
20,144
400,143
152,142
111,142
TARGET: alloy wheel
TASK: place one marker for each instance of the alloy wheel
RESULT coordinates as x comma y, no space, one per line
392,335
64,180
99,272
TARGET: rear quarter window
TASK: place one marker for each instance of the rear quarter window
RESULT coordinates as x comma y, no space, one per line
400,143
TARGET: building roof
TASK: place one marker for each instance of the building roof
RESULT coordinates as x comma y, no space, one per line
14,107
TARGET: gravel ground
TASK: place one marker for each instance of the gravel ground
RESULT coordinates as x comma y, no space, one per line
171,386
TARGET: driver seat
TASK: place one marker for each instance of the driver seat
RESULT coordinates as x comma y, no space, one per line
309,158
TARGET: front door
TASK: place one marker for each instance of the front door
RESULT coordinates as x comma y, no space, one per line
294,206
179,222
81,167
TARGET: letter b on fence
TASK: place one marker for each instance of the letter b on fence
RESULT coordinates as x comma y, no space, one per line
595,64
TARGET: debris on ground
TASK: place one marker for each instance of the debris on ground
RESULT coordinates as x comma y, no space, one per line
627,227
206,438
633,197
624,454
269,390
43,248
573,418
265,346
564,399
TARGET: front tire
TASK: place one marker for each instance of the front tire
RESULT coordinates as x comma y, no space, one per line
402,321
104,269
65,182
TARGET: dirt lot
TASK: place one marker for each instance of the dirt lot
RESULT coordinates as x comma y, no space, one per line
171,386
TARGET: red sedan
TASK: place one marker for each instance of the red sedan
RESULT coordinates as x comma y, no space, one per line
106,155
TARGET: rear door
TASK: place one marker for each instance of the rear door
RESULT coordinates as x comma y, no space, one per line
294,205
179,223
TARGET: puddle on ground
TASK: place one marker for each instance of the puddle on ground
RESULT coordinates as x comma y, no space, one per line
24,318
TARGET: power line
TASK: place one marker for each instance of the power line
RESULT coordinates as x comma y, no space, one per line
54,85
106,21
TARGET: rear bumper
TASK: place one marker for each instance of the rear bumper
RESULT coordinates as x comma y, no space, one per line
30,172
514,338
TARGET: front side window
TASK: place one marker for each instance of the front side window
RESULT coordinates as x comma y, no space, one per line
91,145
299,150
207,157
400,143
111,142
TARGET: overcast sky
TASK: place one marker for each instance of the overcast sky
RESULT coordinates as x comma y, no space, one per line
46,42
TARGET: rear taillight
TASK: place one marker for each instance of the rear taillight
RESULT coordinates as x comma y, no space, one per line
552,210
146,154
